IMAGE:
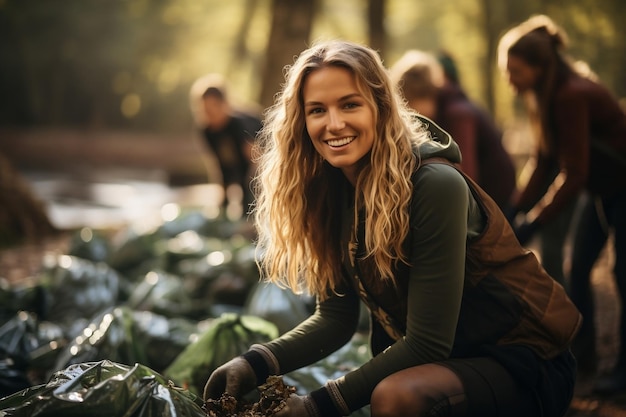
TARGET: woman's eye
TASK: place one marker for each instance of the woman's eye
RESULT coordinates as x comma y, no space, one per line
351,105
314,110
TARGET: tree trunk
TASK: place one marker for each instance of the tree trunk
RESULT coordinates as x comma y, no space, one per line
376,20
493,25
290,32
241,50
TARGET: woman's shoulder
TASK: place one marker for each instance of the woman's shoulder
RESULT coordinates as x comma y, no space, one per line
437,175
440,190
577,87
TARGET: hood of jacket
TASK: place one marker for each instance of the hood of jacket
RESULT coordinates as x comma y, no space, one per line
440,144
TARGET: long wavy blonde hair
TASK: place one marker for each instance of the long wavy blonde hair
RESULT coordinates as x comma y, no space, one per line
298,194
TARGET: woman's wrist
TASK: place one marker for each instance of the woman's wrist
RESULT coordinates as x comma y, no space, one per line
329,400
324,403
258,364
262,361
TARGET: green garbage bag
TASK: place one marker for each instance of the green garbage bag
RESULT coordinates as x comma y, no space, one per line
227,336
103,388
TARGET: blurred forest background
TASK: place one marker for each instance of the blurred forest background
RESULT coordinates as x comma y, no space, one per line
92,86
129,64
89,87
99,85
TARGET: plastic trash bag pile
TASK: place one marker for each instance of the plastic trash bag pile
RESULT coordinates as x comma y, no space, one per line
104,388
158,309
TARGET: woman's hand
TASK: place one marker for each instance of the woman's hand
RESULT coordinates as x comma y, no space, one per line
299,406
235,377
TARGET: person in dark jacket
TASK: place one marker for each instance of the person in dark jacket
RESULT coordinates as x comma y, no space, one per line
359,200
229,134
424,85
580,146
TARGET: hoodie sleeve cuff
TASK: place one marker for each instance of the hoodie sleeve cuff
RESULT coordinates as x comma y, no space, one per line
329,400
262,361
324,403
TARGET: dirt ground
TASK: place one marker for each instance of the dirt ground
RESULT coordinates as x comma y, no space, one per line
181,158
608,308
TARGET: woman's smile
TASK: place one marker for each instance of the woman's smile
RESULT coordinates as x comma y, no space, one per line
338,143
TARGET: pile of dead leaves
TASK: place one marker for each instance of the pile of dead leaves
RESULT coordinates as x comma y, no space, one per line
273,395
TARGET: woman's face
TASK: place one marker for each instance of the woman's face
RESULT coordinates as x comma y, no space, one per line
216,112
339,119
522,76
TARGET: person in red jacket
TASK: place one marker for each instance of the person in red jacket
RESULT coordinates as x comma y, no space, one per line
424,85
580,146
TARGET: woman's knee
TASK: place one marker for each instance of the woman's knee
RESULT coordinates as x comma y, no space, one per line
390,398
425,390
393,396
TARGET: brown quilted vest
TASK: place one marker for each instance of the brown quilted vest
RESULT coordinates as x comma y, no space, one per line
508,298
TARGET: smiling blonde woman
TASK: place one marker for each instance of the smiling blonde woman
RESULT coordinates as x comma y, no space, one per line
358,199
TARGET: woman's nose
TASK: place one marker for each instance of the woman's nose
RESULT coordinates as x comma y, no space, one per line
335,120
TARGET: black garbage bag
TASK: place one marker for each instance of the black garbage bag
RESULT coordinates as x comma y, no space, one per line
227,336
281,306
18,338
193,220
127,336
225,228
133,253
164,338
191,252
89,244
224,277
13,378
189,245
27,350
25,296
166,294
106,336
77,288
52,339
103,388
238,277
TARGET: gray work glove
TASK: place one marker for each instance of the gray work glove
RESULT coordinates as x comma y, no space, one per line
299,406
236,377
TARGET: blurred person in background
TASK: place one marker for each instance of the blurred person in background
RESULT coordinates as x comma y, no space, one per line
428,90
229,134
580,132
360,199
